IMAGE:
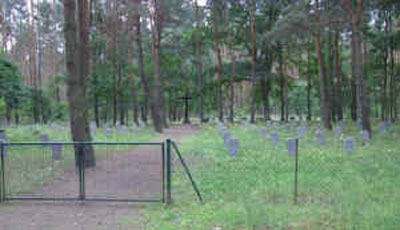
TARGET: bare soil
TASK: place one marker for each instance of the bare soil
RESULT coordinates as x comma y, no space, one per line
131,173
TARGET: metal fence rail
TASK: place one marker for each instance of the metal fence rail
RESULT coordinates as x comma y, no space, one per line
24,162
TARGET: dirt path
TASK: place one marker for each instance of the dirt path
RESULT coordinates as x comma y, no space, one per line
109,177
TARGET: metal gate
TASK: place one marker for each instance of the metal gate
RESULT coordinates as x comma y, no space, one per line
52,171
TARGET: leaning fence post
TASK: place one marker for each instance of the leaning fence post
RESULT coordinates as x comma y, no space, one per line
169,171
2,178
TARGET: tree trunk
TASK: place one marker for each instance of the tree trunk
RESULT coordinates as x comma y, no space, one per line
356,18
339,84
253,106
199,64
140,63
309,112
77,60
282,82
322,84
220,103
157,91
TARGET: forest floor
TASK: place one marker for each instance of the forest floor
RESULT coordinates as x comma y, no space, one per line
111,175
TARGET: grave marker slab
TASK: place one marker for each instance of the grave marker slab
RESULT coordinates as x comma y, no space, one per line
263,132
56,151
274,138
364,135
292,146
133,127
287,128
338,131
44,138
233,145
300,132
319,137
349,144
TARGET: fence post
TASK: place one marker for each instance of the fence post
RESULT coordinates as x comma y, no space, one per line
2,178
169,198
163,172
81,170
296,170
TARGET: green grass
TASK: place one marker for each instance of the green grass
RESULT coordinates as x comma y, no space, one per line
255,189
29,167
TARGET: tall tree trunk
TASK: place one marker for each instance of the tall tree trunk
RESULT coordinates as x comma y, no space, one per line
282,81
77,60
392,72
265,85
253,106
157,114
143,77
322,84
35,81
199,64
220,70
309,112
339,80
356,18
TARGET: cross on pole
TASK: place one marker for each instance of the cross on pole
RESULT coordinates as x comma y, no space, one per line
186,99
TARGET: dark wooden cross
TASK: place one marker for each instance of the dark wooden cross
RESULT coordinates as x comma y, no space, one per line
186,99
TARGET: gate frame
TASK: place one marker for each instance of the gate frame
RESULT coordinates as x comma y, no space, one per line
82,196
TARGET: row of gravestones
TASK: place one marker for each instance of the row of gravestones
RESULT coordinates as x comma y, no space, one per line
121,128
348,142
231,143
56,148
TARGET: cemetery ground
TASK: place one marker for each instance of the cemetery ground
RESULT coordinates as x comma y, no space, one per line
255,189
34,172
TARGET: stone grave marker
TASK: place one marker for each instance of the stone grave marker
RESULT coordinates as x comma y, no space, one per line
382,128
56,151
142,125
268,124
233,145
274,138
338,131
287,128
277,124
226,136
349,144
133,127
319,137
44,138
93,127
122,129
108,132
292,146
263,132
364,135
300,132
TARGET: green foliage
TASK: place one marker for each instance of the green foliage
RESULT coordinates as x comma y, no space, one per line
336,190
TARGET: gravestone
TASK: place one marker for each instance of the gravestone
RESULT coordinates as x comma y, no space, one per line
287,127
277,124
226,136
382,128
319,137
343,123
263,132
292,146
274,138
338,131
56,151
300,132
293,124
364,135
142,125
106,126
122,129
268,124
44,138
133,127
108,132
93,127
233,145
349,144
